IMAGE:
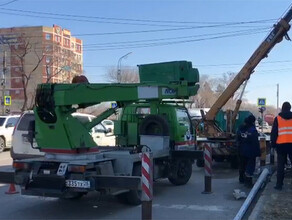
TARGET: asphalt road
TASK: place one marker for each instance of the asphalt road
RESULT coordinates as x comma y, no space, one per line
170,202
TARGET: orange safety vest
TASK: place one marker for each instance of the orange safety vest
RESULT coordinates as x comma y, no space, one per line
284,130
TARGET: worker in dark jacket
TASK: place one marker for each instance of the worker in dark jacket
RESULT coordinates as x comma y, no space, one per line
281,139
249,149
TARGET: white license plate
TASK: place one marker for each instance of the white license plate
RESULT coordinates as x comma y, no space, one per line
78,184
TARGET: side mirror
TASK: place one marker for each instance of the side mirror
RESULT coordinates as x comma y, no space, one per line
9,125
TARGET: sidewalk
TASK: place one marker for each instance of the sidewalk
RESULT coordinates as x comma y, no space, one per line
274,204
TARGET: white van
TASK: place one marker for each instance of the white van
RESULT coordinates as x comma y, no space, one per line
21,147
7,124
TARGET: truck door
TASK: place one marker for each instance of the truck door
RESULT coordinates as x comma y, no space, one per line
185,134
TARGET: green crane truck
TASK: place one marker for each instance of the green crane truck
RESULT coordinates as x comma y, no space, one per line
74,165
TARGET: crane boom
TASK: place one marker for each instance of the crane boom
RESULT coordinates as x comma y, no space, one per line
275,36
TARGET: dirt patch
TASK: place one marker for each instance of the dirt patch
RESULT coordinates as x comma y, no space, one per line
279,204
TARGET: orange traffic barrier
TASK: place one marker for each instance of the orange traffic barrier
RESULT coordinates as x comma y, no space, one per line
11,190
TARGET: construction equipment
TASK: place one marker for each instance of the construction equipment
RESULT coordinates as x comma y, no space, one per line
211,130
74,165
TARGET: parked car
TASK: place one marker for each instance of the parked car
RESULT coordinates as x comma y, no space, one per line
21,147
7,124
265,127
109,124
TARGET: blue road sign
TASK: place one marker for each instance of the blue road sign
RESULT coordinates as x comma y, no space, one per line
7,100
261,101
114,105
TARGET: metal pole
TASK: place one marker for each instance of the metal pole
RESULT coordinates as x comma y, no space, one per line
147,185
262,114
208,168
252,194
3,82
119,78
263,147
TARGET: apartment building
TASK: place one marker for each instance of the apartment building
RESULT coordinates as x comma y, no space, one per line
33,55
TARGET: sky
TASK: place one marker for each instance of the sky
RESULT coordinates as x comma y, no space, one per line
217,36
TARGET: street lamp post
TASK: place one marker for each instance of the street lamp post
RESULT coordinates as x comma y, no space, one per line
3,82
120,65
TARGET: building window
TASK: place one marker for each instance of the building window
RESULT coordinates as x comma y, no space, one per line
17,92
48,37
48,71
17,80
58,38
48,48
48,59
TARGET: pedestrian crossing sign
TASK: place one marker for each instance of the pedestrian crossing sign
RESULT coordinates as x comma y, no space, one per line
262,102
7,100
114,104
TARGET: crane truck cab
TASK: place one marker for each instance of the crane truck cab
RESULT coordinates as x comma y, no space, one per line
171,120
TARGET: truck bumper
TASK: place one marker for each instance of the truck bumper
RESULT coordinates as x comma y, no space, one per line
55,186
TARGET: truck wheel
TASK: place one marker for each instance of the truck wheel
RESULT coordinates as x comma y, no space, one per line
2,144
154,125
181,171
133,197
200,163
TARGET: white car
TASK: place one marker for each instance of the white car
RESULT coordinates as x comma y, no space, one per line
7,124
109,124
21,148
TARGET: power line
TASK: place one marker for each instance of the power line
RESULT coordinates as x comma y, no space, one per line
130,20
154,44
7,3
205,65
166,43
109,44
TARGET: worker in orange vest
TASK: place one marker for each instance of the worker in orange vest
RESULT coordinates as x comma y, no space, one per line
281,139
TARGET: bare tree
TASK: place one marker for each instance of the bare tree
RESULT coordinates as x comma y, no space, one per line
205,97
24,48
59,65
128,75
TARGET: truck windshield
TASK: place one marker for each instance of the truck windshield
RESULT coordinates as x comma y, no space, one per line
183,120
2,120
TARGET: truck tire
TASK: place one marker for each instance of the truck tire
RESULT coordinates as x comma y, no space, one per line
154,125
181,171
200,163
2,144
133,197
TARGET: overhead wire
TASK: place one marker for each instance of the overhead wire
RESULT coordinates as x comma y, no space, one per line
8,3
167,43
165,39
127,19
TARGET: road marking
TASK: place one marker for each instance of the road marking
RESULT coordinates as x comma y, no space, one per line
213,208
